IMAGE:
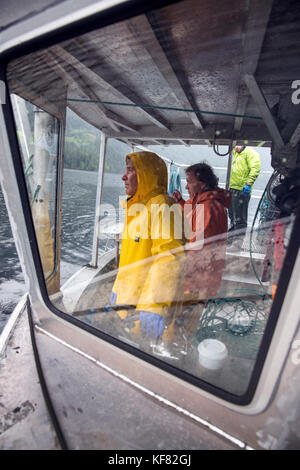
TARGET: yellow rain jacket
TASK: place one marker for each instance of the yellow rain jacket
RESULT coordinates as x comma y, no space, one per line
245,168
151,258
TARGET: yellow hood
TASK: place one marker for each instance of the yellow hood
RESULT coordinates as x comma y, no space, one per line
152,175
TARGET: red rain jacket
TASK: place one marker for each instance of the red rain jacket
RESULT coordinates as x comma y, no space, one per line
207,249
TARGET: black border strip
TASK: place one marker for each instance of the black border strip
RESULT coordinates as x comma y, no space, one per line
122,12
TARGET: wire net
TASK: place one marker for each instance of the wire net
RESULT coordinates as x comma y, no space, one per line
238,322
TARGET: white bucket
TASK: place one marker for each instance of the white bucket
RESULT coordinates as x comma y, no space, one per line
212,353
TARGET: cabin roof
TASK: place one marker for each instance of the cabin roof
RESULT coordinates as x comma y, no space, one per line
191,73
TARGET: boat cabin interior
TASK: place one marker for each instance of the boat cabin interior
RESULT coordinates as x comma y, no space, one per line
188,80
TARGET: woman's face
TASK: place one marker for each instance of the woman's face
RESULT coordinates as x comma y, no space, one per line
193,185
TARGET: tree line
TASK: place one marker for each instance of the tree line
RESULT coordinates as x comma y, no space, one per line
82,147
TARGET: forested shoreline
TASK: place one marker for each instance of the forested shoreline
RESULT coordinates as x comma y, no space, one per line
82,147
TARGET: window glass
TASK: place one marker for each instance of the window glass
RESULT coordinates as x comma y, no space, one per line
81,161
38,134
168,241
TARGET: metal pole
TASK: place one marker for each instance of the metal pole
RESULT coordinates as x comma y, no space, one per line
59,193
229,167
44,141
94,261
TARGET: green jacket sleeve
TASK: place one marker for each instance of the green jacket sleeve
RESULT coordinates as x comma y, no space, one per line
254,165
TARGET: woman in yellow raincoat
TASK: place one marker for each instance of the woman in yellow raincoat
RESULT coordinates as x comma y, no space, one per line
151,258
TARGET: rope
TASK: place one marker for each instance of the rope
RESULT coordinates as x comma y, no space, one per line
241,318
35,193
267,191
216,149
29,165
144,106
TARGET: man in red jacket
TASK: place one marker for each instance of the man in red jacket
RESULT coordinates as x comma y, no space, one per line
206,211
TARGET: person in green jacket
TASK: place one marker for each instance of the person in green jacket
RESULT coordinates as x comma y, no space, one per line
244,171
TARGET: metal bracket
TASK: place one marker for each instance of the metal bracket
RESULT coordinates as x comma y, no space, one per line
94,260
263,107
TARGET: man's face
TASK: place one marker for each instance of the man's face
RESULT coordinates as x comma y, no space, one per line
193,185
130,178
238,148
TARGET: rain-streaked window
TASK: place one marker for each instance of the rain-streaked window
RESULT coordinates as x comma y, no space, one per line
162,198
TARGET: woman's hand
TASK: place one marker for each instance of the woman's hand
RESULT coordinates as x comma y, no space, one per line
177,195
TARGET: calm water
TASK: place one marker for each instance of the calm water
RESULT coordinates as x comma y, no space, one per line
77,232
78,209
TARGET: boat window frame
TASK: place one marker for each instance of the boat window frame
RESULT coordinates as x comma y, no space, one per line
111,16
